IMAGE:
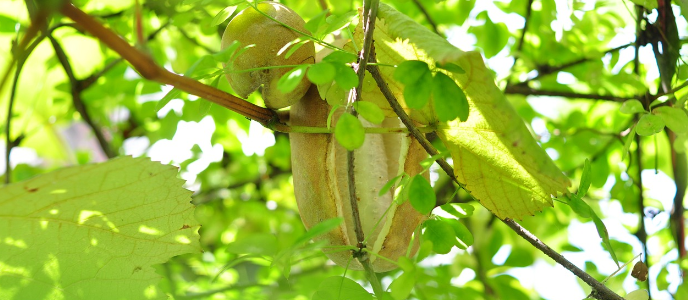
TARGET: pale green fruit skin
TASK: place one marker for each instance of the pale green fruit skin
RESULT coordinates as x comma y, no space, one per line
250,27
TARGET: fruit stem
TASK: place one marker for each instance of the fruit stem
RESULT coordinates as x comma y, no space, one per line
372,278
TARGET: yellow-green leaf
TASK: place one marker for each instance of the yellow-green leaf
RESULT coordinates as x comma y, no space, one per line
494,154
94,231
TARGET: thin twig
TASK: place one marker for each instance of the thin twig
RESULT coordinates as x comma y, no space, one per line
427,16
521,40
527,91
600,291
370,8
76,98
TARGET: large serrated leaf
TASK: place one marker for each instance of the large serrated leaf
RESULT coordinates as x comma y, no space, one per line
494,154
93,232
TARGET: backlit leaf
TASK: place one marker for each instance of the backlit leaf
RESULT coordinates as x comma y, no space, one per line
289,81
674,118
94,231
321,73
370,112
631,107
450,101
341,288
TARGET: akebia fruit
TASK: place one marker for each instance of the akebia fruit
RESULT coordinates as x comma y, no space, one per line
259,64
319,163
321,186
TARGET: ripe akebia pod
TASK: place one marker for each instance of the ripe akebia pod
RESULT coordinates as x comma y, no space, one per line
321,185
267,41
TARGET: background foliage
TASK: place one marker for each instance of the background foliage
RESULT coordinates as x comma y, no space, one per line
566,66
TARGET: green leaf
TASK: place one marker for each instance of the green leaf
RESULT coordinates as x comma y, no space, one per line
602,232
223,15
681,143
493,139
459,210
629,141
450,101
462,236
370,111
338,22
341,57
454,68
631,107
260,244
638,295
290,80
319,229
345,77
402,286
418,93
341,288
441,234
674,118
321,73
411,71
385,188
586,179
579,206
316,22
649,124
349,132
421,195
86,232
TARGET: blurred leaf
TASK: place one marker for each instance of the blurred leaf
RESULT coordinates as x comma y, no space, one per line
319,229
260,244
89,230
674,118
631,107
649,124
223,15
341,288
402,286
459,210
586,179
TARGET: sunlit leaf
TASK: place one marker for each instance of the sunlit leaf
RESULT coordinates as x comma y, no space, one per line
290,80
440,234
94,231
341,288
450,101
459,210
223,15
631,107
319,229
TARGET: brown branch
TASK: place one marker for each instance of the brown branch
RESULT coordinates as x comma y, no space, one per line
527,91
145,65
600,291
521,40
77,101
427,16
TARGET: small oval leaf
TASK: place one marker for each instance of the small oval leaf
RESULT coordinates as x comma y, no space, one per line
631,107
674,118
370,111
421,195
450,100
349,132
321,73
649,124
289,81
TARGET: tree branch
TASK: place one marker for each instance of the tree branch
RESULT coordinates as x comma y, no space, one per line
521,40
527,91
427,16
149,70
77,101
600,291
